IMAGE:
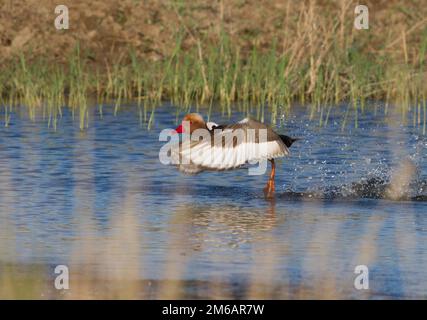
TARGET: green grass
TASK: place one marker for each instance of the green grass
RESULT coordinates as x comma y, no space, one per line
218,72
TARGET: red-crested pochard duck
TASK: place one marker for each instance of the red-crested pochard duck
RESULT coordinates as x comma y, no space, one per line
248,140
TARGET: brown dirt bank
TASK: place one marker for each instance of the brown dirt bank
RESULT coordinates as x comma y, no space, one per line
107,29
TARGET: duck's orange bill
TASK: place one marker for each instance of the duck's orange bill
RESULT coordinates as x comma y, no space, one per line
180,129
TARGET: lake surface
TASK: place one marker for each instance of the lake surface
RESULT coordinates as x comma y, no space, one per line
102,198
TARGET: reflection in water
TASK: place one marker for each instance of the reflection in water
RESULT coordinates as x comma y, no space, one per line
128,227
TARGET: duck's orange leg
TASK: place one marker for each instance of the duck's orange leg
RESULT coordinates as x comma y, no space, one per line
270,186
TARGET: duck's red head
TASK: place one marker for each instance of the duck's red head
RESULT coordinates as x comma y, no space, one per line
195,120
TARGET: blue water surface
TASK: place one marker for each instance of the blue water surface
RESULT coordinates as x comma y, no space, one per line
61,189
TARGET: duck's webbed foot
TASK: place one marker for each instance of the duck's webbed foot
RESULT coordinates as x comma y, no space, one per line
269,189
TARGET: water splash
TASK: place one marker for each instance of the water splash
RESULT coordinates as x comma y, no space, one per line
402,183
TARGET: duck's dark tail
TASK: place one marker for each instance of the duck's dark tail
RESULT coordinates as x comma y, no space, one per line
288,141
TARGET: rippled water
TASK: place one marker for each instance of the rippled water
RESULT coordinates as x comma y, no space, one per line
65,194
